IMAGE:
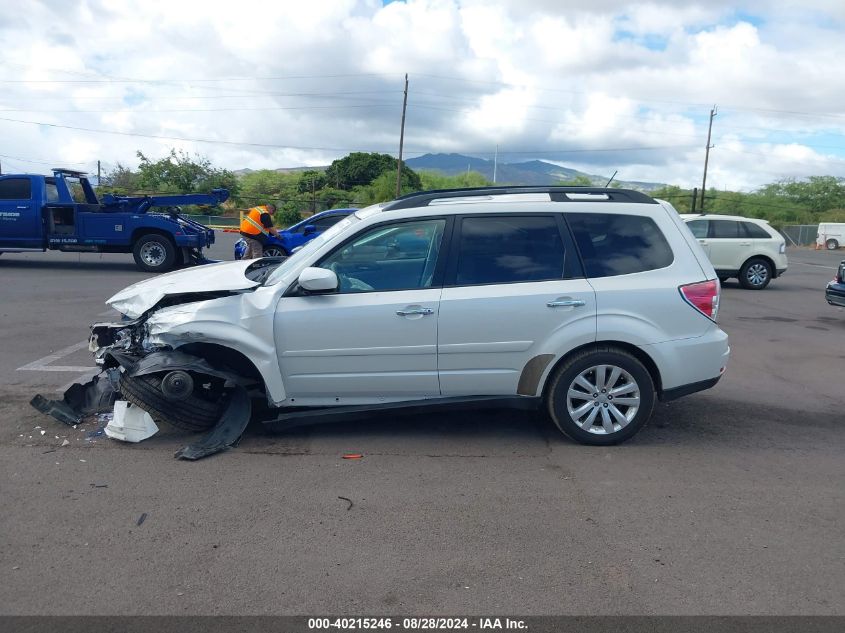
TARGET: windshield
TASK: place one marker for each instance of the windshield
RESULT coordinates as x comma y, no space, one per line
310,247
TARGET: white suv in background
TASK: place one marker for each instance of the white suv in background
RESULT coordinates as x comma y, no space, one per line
745,248
589,303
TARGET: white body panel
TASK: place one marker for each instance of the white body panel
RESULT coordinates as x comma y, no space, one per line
488,333
353,348
831,231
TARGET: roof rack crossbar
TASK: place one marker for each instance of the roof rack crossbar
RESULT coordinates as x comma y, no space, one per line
556,193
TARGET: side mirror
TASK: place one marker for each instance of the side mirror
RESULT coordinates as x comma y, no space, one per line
320,280
309,229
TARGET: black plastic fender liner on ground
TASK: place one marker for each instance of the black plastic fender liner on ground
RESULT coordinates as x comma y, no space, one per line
96,396
228,431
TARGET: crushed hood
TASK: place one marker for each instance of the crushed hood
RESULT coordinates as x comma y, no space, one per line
136,299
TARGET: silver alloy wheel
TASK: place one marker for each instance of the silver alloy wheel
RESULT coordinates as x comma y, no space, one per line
273,252
757,274
153,254
603,399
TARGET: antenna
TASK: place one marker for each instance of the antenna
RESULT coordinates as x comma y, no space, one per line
611,178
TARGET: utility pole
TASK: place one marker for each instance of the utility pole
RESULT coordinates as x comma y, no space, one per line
98,173
713,112
694,197
495,163
401,140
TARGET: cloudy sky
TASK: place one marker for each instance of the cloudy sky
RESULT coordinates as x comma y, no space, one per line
598,85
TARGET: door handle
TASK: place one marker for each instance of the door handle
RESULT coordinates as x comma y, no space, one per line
23,207
745,243
410,311
566,303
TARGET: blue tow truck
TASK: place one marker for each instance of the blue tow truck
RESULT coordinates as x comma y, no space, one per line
62,212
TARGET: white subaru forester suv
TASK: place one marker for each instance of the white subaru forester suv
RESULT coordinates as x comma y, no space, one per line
589,303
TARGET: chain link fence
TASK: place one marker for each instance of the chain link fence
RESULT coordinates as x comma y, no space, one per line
800,234
216,221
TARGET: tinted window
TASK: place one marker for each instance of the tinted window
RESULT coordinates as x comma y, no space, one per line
698,228
725,229
15,189
399,256
506,249
619,244
756,231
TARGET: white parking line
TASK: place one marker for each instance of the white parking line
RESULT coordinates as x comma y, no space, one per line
43,364
814,265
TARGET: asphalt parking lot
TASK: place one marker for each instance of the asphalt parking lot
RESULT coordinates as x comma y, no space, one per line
730,502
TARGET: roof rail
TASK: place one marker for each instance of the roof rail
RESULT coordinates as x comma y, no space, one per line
556,193
69,172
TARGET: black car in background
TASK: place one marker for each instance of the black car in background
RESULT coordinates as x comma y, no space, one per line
835,291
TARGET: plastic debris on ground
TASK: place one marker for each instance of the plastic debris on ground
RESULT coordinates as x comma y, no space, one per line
130,423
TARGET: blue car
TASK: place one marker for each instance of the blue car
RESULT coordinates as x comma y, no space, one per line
296,235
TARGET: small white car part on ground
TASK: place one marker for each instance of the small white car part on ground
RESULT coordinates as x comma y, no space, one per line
130,423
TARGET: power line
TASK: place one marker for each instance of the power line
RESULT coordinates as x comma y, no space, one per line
332,149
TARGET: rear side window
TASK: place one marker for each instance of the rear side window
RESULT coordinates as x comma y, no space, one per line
726,229
15,189
698,228
619,244
756,231
509,249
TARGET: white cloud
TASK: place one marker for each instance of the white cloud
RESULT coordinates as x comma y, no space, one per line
541,78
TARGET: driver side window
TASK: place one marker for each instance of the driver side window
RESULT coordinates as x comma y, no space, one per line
399,256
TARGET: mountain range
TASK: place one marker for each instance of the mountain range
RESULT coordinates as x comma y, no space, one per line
532,172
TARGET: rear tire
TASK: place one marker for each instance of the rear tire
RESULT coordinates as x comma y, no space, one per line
597,417
755,274
194,413
154,253
831,245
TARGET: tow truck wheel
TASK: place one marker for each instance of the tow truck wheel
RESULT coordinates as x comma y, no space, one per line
154,253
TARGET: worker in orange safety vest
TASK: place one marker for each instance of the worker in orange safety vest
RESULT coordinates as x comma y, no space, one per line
256,225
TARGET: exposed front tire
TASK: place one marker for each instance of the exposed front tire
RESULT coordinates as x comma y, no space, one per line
831,245
755,274
601,396
154,253
197,412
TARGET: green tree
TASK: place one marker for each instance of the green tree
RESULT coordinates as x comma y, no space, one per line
178,172
430,179
120,180
362,168
311,180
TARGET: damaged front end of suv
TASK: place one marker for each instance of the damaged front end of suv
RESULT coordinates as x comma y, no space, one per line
182,352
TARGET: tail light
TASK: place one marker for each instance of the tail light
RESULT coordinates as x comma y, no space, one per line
840,273
782,249
703,296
